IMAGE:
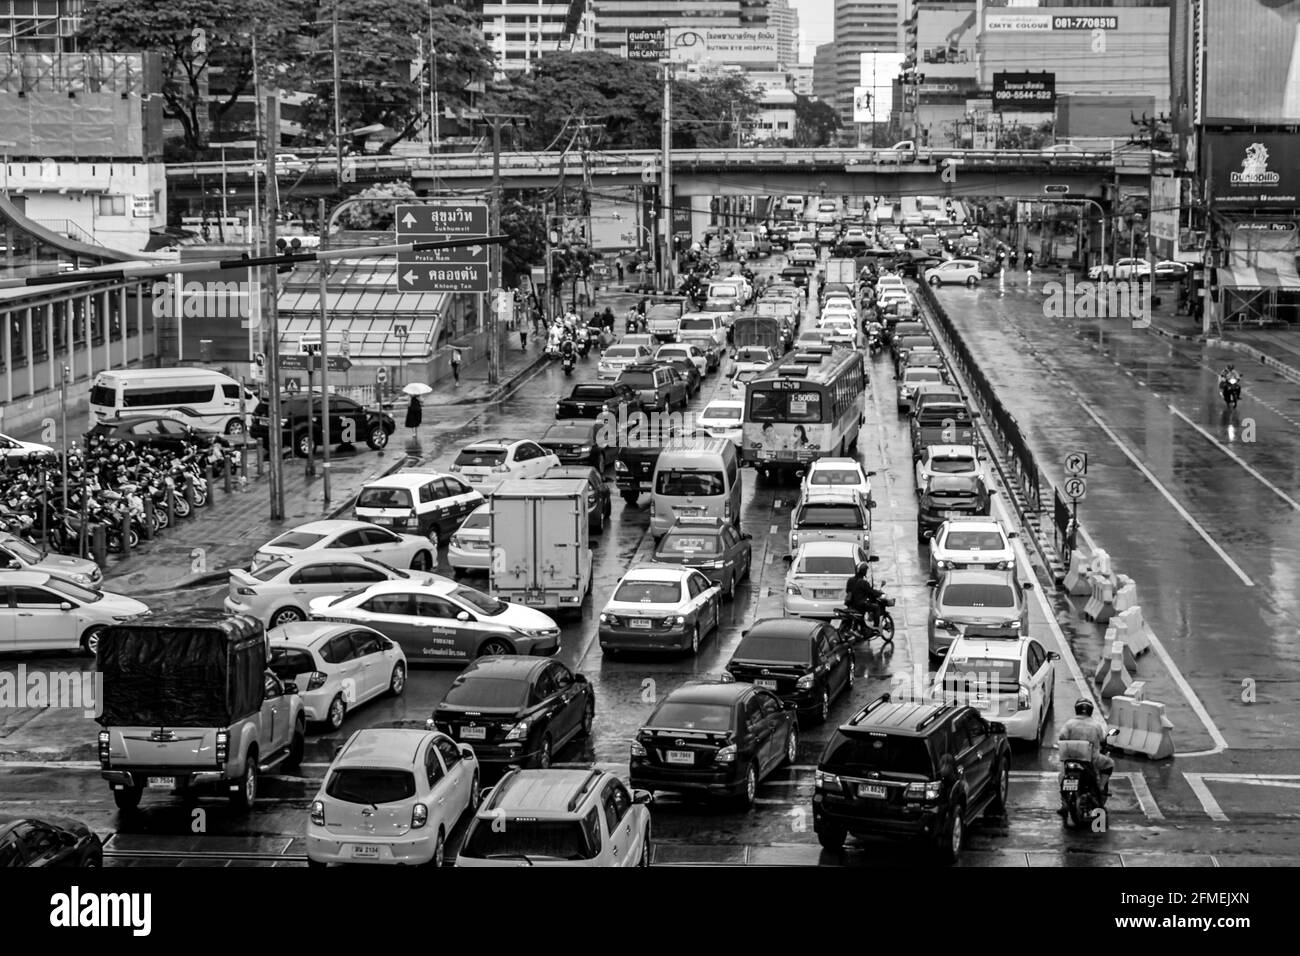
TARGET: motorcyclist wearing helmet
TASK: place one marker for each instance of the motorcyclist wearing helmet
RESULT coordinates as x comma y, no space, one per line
862,596
1230,372
1084,726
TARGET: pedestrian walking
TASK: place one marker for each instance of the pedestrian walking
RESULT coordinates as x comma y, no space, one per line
414,413
455,365
618,264
523,338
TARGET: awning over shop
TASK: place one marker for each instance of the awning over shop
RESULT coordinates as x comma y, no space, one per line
1264,271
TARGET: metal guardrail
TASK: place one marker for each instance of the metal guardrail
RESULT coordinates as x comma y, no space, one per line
452,163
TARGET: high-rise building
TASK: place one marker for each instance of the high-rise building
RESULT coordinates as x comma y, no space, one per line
521,31
784,19
801,78
39,26
862,26
823,73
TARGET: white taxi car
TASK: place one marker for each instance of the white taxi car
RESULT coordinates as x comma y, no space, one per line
976,542
492,459
840,329
1008,679
819,570
470,548
45,612
723,419
692,353
838,473
392,796
618,357
336,666
357,537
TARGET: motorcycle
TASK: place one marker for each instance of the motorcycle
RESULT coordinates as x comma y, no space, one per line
1230,389
855,624
874,345
1081,792
569,361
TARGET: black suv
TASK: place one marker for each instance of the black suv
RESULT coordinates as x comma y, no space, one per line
911,769
300,424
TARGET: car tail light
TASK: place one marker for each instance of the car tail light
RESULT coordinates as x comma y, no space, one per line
620,466
930,790
609,619
827,781
500,469
419,816
1022,700
726,754
251,592
318,813
103,748
223,746
792,589
727,677
317,680
455,468
940,622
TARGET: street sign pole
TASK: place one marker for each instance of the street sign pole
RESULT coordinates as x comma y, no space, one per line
275,436
324,336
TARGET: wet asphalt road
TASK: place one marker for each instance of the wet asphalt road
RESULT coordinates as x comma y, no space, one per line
1158,814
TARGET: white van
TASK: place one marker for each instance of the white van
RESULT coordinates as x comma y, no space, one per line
199,397
695,477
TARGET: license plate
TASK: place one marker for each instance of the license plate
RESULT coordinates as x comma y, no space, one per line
951,514
1069,785
479,545
690,511
162,783
535,599
640,622
766,683
387,521
874,790
473,733
681,756
823,593
365,851
474,477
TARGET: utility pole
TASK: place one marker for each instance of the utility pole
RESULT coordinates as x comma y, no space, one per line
495,121
338,146
275,436
323,265
666,180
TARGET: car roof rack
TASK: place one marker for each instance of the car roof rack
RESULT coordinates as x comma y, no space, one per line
862,714
500,790
587,784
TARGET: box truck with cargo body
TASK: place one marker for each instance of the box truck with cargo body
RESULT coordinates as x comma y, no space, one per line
541,555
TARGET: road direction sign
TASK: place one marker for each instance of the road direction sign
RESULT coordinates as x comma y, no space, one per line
1076,463
1076,489
304,363
401,331
381,375
463,269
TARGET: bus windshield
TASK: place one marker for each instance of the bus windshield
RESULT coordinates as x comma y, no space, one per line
774,406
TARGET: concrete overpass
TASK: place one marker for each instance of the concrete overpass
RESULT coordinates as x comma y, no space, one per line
714,172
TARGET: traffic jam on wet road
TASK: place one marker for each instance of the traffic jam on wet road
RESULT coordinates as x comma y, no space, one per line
792,608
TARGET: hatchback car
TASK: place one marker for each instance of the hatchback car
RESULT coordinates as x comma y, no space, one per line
838,473
951,496
805,663
712,546
281,592
618,357
47,843
915,770
1006,679
946,460
494,459
954,271
660,608
516,710
17,555
971,543
828,513
160,432
723,419
470,548
716,739
819,571
392,796
336,667
355,537
443,620
990,602
560,818
40,611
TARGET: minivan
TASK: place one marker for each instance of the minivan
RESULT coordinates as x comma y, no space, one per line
203,398
695,477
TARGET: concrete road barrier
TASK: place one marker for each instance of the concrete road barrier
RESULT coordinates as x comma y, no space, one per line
1125,594
1100,606
1132,630
1076,578
1113,676
1143,727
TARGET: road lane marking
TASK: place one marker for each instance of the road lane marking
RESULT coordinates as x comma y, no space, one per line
772,529
1168,496
1211,806
1239,460
1145,798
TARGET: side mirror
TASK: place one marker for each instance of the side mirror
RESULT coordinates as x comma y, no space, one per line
429,724
997,727
290,687
746,536
466,751
338,750
1053,656
933,582
874,559
643,797
871,474
787,558
871,505
484,793
65,606
1026,586
463,616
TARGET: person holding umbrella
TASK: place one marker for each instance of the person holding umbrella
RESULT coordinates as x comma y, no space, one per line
415,411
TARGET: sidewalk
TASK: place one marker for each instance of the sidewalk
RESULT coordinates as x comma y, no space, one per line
238,523
1278,349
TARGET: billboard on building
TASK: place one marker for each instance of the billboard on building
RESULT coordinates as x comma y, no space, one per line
945,43
1254,170
646,44
878,73
718,45
1166,193
1024,92
1097,50
1252,62
864,107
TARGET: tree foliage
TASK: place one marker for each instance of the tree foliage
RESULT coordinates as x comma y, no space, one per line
380,41
376,206
815,122
225,30
522,221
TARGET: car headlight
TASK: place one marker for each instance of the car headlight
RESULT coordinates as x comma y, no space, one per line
638,749
727,677
531,632
793,589
1010,624
726,755
584,450
520,730
805,682
941,622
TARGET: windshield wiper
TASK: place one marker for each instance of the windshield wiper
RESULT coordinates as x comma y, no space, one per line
512,856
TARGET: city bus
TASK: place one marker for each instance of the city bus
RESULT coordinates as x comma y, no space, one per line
804,407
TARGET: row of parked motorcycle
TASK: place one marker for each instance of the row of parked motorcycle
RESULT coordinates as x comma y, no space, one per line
132,493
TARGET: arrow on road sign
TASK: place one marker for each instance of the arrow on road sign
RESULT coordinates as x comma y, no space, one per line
474,250
1076,463
1076,488
408,220
410,275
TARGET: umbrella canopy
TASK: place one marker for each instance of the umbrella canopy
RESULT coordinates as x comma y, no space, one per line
416,388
